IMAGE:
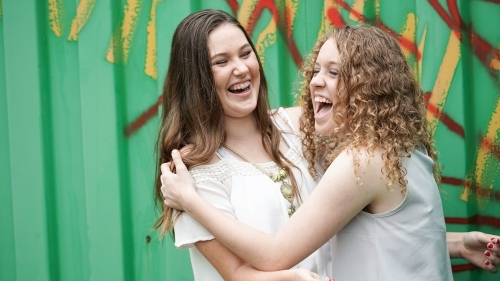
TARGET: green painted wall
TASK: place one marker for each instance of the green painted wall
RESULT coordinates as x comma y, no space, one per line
79,89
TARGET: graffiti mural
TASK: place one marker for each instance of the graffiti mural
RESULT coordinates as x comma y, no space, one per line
97,70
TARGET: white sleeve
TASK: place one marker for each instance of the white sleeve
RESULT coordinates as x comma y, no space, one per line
188,230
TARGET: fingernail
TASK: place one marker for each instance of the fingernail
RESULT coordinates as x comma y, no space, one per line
487,262
498,241
490,245
487,254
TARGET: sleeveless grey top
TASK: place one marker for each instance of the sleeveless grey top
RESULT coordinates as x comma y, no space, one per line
407,243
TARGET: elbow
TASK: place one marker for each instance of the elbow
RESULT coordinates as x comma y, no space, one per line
273,264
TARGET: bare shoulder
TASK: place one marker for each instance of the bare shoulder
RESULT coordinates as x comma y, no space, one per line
369,166
367,161
293,114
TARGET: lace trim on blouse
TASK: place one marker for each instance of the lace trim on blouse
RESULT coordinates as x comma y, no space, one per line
225,169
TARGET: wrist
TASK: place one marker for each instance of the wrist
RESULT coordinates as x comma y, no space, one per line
455,241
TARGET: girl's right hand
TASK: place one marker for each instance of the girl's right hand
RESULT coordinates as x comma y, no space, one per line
302,274
176,187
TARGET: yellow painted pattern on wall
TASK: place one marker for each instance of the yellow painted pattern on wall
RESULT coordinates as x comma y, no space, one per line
291,6
55,16
486,162
85,8
150,67
357,6
443,80
408,32
245,12
325,22
131,12
421,46
266,39
495,60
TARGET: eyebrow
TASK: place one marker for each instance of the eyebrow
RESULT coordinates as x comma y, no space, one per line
223,54
328,62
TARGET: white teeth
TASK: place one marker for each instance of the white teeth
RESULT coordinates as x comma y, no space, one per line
240,86
321,99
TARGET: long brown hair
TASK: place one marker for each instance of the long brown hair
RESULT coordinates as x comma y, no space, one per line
380,103
192,112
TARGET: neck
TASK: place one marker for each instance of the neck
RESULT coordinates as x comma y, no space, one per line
240,129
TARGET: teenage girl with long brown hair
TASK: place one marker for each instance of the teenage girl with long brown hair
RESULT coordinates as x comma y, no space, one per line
215,101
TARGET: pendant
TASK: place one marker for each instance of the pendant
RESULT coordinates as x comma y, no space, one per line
281,175
291,210
286,190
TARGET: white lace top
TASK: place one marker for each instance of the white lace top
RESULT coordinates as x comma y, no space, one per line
243,192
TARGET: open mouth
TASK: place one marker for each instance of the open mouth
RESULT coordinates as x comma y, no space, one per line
324,105
240,88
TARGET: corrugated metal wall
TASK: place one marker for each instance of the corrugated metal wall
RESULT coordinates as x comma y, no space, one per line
79,88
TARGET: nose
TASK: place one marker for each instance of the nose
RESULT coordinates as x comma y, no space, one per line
317,81
240,68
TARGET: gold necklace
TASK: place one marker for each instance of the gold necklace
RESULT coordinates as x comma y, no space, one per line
286,189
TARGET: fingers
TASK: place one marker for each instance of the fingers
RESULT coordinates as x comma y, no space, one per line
492,255
175,185
481,237
165,168
495,245
314,276
490,266
177,160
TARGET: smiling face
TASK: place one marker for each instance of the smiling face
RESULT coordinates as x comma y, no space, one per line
323,86
235,69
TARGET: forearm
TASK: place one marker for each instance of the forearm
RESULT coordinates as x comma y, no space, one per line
248,273
233,268
455,243
298,238
304,233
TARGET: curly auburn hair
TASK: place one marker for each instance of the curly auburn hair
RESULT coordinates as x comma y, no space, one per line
380,104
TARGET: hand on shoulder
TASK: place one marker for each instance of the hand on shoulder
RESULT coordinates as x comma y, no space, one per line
293,114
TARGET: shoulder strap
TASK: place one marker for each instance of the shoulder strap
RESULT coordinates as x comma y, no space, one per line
281,111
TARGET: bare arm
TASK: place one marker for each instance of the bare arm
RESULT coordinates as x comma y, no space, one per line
482,250
231,267
306,227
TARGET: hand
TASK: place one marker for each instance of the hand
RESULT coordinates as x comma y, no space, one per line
482,250
176,187
301,274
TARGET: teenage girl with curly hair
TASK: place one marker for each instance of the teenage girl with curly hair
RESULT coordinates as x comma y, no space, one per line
379,104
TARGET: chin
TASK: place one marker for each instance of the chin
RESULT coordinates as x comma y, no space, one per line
322,129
